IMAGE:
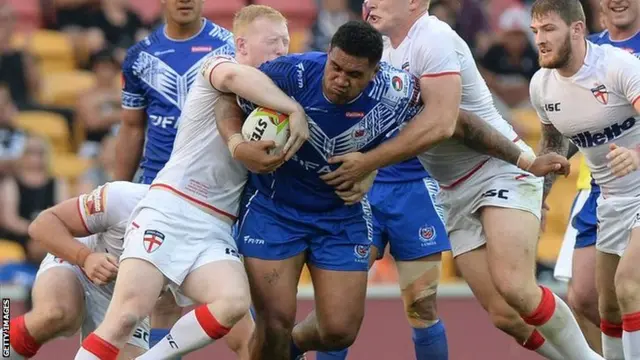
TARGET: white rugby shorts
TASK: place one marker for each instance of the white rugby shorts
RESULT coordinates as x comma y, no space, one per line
496,183
617,216
96,302
176,237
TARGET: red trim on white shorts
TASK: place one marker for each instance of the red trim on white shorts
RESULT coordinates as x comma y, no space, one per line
470,173
194,200
444,73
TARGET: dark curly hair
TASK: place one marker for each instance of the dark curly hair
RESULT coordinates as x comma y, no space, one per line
359,39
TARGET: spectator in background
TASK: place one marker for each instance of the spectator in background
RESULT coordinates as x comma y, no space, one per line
439,9
120,26
12,140
24,195
331,15
103,169
471,23
510,63
19,70
98,110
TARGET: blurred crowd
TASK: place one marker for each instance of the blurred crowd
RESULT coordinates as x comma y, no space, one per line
59,111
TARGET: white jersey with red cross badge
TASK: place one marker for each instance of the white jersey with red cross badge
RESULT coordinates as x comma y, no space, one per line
201,168
433,49
105,212
594,108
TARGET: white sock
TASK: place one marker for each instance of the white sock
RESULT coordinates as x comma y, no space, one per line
194,330
548,351
84,354
561,329
631,344
611,335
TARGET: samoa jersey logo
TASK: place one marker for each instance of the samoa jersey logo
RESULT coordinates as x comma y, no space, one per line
610,133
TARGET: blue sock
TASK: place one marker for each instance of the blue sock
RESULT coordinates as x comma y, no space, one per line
431,343
252,312
155,335
332,355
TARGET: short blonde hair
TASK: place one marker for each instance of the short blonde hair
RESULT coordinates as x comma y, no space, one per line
249,14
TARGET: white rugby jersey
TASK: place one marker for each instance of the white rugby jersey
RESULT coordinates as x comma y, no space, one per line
201,168
594,108
105,212
433,49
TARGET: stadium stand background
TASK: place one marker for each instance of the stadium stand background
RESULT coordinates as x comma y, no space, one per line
59,109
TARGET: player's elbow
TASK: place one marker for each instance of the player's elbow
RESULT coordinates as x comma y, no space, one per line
446,125
37,226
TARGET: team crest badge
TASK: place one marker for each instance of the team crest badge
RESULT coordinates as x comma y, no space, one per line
397,83
405,66
601,94
427,233
361,251
152,240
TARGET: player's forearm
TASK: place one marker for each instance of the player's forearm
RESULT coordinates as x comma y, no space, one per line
480,136
256,87
55,237
423,132
129,144
552,141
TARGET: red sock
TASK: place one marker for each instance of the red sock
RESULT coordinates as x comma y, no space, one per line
631,322
611,329
100,347
534,342
544,311
21,341
209,323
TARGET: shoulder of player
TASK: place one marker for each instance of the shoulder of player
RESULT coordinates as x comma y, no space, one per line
120,196
539,78
217,32
143,45
429,28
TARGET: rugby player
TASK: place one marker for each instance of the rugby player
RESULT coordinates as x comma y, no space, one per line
493,208
180,234
293,217
84,237
157,74
622,22
588,93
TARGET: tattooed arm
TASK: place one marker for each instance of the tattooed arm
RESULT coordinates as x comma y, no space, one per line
552,141
480,136
484,138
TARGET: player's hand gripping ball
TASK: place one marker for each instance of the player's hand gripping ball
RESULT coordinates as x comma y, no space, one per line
268,125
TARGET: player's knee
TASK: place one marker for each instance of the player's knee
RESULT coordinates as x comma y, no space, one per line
515,291
627,285
59,317
339,332
507,320
234,305
581,300
422,309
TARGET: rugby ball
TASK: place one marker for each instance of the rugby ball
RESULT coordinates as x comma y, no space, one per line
269,125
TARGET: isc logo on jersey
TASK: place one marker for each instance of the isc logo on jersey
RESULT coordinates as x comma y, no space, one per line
269,125
588,139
